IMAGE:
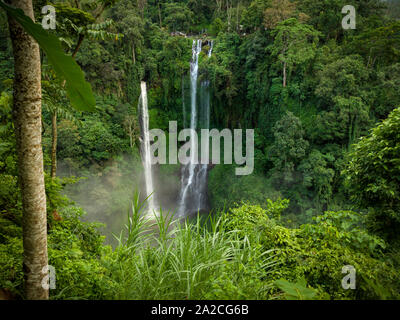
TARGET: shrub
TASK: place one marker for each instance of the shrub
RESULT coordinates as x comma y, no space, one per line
372,176
74,250
318,251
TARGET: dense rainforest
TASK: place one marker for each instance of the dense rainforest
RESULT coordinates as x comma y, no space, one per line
322,203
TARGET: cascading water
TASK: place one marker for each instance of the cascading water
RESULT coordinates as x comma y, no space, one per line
183,102
145,145
211,48
193,197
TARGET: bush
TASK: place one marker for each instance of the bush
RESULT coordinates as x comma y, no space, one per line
74,250
372,176
318,251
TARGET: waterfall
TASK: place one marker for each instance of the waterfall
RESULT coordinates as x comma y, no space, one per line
189,169
193,197
145,148
211,48
183,102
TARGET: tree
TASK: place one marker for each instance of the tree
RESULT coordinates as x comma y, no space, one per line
326,15
217,26
76,23
373,176
131,24
388,94
54,100
393,8
178,16
288,149
279,11
318,175
345,98
27,98
295,43
380,46
132,128
28,131
253,16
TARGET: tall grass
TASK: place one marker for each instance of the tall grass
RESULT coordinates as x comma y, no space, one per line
163,258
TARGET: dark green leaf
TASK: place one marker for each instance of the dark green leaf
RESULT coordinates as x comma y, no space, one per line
78,90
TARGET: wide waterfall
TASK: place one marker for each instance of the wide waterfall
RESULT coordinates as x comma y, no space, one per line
145,149
193,197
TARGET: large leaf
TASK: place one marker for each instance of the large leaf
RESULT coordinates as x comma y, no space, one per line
78,90
296,291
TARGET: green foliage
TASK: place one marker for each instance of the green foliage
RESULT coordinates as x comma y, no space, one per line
288,149
296,291
245,217
387,97
342,89
79,91
178,16
372,175
253,16
217,26
186,261
11,275
98,143
380,46
294,43
226,188
325,15
340,82
317,252
317,174
74,249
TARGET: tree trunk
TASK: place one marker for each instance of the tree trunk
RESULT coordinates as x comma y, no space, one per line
78,45
54,144
27,121
237,17
133,53
284,74
54,120
219,5
159,14
229,15
53,173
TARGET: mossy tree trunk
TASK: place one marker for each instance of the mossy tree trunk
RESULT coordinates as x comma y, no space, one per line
28,127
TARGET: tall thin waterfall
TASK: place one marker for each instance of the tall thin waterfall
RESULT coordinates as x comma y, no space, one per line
194,176
211,48
183,102
145,144
201,179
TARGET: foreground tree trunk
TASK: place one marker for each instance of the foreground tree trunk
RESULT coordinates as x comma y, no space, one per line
28,127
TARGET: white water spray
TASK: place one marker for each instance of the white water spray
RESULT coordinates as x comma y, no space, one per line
187,183
146,157
194,177
211,48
